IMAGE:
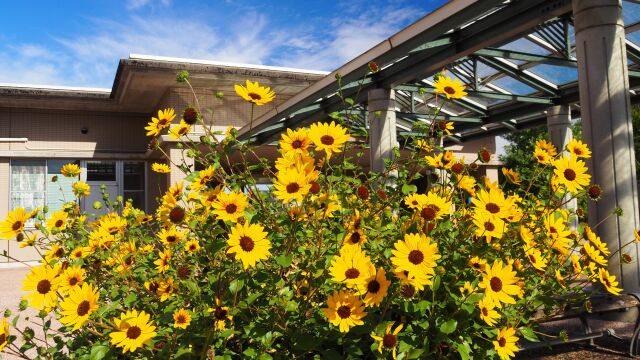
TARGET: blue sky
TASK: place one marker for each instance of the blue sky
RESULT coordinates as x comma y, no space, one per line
79,42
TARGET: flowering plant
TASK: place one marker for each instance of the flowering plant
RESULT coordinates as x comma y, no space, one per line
332,261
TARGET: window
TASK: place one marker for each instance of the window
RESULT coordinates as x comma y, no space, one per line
101,171
133,181
31,185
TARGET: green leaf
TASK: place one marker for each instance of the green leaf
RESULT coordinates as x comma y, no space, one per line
528,334
236,285
464,350
284,260
448,326
349,101
408,189
251,352
265,357
98,352
130,298
436,283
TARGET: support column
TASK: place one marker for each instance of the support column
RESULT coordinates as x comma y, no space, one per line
382,126
560,133
605,109
178,156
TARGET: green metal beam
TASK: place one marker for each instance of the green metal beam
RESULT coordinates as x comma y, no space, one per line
517,55
484,94
513,71
423,117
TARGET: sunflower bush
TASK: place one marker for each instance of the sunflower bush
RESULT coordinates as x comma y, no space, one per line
332,261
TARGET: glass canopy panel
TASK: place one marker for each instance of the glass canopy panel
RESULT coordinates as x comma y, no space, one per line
487,102
513,86
526,46
556,74
630,12
634,37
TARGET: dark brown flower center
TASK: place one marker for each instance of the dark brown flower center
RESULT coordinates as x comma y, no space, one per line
355,238
443,125
16,225
255,96
389,341
83,308
416,257
492,208
59,252
231,208
73,281
485,311
373,286
496,284
488,226
577,151
154,286
246,243
429,213
344,312
176,214
59,223
296,144
293,188
532,259
407,291
181,319
3,338
502,342
553,230
171,239
315,188
327,139
133,332
220,313
352,273
569,174
44,286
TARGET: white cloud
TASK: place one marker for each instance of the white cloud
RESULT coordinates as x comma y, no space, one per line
91,59
136,4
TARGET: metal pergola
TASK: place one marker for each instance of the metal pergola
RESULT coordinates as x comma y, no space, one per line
517,58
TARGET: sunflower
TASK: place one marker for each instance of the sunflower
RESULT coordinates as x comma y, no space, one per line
596,241
560,279
113,224
488,312
488,226
546,146
165,289
415,201
43,283
594,254
328,137
76,308
133,330
80,252
295,141
355,237
344,310
230,206
415,254
171,236
254,93
445,126
57,221
500,284
29,240
162,264
204,179
536,258
249,243
452,89
424,145
467,289
388,341
477,263
180,130
492,202
4,333
221,315
578,149
291,185
609,281
374,288
542,156
192,246
163,121
351,266
70,170
71,278
55,252
81,189
435,161
434,207
505,343
13,224
571,173
181,319
512,176
467,183
558,234
160,168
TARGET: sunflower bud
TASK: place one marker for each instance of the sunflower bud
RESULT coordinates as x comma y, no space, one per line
190,115
595,192
484,155
182,76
